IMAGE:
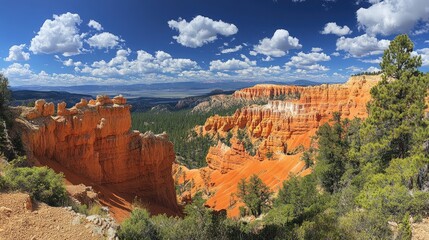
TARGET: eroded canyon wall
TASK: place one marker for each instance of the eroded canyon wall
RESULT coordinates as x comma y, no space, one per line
282,126
279,131
94,140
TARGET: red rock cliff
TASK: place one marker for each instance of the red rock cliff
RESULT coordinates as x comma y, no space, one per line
94,140
283,125
276,130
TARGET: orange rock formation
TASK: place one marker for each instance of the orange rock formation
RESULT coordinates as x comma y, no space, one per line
94,140
277,129
284,125
224,158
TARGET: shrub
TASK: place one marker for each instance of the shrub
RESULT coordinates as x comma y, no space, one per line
92,209
138,226
41,183
281,215
79,208
364,225
20,161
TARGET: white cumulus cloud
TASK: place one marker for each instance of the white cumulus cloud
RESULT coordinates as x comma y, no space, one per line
200,30
309,61
58,35
362,45
17,53
232,64
17,70
144,64
103,40
71,63
424,53
333,28
278,45
373,69
373,61
393,16
316,49
231,50
96,25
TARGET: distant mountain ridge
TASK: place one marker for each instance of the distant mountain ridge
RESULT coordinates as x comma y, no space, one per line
161,90
142,97
25,97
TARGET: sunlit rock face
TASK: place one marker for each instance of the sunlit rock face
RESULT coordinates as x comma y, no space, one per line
277,130
93,139
291,122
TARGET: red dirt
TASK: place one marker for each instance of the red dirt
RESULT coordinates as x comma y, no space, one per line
44,222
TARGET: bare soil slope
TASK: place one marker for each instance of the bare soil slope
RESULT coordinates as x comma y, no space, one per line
39,221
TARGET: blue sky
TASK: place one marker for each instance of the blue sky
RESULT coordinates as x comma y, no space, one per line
124,42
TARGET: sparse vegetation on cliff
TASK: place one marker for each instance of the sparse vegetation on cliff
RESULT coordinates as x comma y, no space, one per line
243,137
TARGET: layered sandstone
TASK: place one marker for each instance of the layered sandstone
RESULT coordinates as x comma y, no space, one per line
224,158
279,132
94,140
284,125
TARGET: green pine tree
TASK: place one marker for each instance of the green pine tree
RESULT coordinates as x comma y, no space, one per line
255,194
397,105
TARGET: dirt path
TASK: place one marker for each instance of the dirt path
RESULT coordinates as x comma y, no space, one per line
43,222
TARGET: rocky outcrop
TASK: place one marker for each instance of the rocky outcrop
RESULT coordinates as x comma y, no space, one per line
278,131
224,158
284,125
93,139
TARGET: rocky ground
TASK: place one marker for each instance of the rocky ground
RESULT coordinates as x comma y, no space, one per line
421,230
20,218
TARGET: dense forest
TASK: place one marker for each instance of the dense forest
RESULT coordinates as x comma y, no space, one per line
367,174
190,147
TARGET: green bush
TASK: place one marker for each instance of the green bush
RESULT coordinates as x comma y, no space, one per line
281,215
41,183
79,208
20,161
138,226
364,225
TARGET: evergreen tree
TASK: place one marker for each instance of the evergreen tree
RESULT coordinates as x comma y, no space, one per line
397,105
4,95
6,147
255,194
332,154
397,59
299,192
